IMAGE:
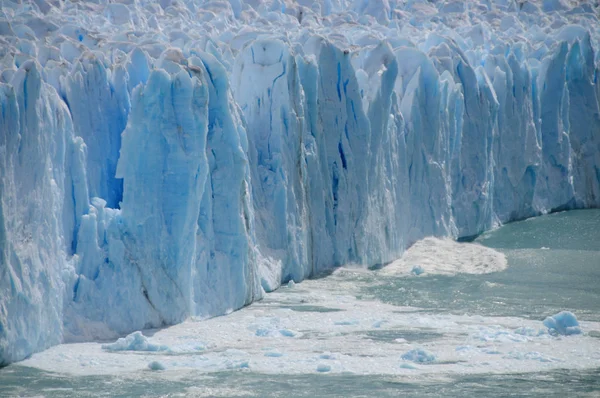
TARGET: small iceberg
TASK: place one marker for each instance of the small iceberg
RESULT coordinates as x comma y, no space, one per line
136,341
564,323
155,365
418,355
322,368
417,270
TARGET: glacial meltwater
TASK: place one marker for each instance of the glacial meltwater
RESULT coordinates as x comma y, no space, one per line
554,265
413,328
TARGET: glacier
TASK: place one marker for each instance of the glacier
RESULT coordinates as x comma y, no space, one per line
181,158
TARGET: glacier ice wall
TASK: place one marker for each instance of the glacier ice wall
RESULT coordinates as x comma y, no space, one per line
175,159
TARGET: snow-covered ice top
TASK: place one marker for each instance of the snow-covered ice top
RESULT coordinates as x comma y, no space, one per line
176,158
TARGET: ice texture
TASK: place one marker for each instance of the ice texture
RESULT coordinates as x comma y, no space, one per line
564,323
136,341
418,355
160,160
155,365
443,256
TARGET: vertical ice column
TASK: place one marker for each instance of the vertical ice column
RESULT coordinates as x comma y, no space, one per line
319,195
224,274
451,124
427,146
99,106
555,185
164,168
584,123
472,169
384,216
267,89
516,149
346,133
36,143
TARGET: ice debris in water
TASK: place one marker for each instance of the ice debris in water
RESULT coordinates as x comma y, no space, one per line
269,332
408,366
564,323
417,270
273,354
238,364
288,333
155,365
322,368
136,341
418,355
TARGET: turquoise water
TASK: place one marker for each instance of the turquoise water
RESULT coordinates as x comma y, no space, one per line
23,381
554,264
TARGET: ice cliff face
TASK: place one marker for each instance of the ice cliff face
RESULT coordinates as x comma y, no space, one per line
161,161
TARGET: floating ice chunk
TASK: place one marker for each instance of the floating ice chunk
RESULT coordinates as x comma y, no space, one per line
291,284
236,359
491,351
136,341
262,332
266,332
417,270
418,355
406,365
155,365
243,364
273,354
288,333
564,323
322,368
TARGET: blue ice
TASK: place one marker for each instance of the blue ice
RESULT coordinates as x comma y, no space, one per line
564,323
149,174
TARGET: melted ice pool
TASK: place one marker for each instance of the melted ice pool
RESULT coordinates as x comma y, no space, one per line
374,333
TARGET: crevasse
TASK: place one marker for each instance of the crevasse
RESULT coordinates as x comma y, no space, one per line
161,161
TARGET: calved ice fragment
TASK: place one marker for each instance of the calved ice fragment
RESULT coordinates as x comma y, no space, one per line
564,323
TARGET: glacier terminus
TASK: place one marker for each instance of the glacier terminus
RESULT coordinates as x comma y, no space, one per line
162,160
